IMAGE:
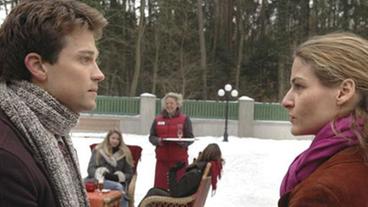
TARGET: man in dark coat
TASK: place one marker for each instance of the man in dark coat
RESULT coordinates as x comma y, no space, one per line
48,75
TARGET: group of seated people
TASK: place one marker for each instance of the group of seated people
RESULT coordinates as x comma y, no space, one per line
111,163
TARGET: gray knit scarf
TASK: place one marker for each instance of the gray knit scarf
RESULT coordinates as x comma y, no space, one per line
45,123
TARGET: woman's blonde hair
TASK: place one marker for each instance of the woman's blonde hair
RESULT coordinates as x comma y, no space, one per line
177,96
123,148
338,56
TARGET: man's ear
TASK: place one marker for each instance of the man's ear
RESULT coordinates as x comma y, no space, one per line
33,62
346,91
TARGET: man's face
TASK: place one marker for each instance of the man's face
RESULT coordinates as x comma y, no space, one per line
73,79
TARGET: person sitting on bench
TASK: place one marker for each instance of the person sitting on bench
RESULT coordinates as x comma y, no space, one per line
111,163
189,183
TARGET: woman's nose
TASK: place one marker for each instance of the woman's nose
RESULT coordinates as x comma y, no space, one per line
287,101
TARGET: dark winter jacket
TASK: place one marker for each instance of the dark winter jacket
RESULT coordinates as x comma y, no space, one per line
189,183
121,165
342,181
22,179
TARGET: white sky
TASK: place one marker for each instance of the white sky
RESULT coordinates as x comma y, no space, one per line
251,176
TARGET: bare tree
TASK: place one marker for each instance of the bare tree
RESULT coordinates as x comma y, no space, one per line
138,51
202,44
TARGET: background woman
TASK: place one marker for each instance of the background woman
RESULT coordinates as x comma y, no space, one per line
111,161
328,98
171,123
189,183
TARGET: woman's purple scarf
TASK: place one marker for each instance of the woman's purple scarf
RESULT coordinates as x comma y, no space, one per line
324,145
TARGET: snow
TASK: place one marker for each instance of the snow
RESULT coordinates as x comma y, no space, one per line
246,98
251,176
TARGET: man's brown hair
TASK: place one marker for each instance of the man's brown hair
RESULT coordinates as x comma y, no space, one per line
41,26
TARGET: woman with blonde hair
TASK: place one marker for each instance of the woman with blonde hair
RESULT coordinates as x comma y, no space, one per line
170,123
328,98
112,162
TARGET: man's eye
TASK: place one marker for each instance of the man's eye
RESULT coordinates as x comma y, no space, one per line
85,59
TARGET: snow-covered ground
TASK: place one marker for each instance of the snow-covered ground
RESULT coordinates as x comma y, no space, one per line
252,173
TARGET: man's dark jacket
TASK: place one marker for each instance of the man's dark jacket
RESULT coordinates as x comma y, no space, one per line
22,179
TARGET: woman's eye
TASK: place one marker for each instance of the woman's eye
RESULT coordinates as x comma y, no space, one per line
297,86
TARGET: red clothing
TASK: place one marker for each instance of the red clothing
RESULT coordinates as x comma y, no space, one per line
167,127
162,168
168,153
340,181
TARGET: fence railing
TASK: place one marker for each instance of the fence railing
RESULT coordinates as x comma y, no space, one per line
193,108
270,111
117,105
206,109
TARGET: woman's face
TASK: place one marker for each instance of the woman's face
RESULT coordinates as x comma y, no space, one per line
310,104
114,140
171,105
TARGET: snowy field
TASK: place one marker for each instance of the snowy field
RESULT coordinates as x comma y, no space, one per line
251,176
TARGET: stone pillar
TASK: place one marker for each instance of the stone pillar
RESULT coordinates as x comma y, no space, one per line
246,115
147,112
